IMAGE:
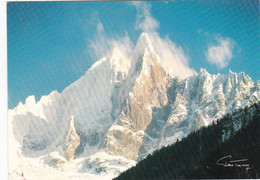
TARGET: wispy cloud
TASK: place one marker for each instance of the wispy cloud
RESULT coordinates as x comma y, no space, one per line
174,59
221,53
103,46
100,27
145,21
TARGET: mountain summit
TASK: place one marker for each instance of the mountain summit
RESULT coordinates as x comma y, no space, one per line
118,112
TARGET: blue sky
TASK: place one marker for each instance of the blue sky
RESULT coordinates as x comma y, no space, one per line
52,44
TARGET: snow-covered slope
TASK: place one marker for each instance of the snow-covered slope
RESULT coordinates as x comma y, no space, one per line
122,109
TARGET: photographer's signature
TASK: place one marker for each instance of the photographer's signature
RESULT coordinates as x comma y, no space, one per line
227,161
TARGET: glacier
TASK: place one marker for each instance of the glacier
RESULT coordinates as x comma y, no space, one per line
119,111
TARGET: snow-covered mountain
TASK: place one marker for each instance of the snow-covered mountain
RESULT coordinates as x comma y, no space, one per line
121,110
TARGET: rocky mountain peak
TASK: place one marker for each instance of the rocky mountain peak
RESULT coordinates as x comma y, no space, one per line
144,43
203,72
72,141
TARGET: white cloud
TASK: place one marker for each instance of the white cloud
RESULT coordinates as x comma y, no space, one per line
145,21
222,53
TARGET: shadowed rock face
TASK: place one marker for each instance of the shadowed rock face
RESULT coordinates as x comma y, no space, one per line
72,141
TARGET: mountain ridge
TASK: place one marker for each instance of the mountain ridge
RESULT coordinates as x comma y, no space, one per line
125,107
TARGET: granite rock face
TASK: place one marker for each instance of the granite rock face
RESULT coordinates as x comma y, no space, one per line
125,137
72,141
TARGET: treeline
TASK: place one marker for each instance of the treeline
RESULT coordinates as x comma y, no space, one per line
196,156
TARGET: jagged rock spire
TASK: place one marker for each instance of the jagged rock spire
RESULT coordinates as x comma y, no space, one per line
72,141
